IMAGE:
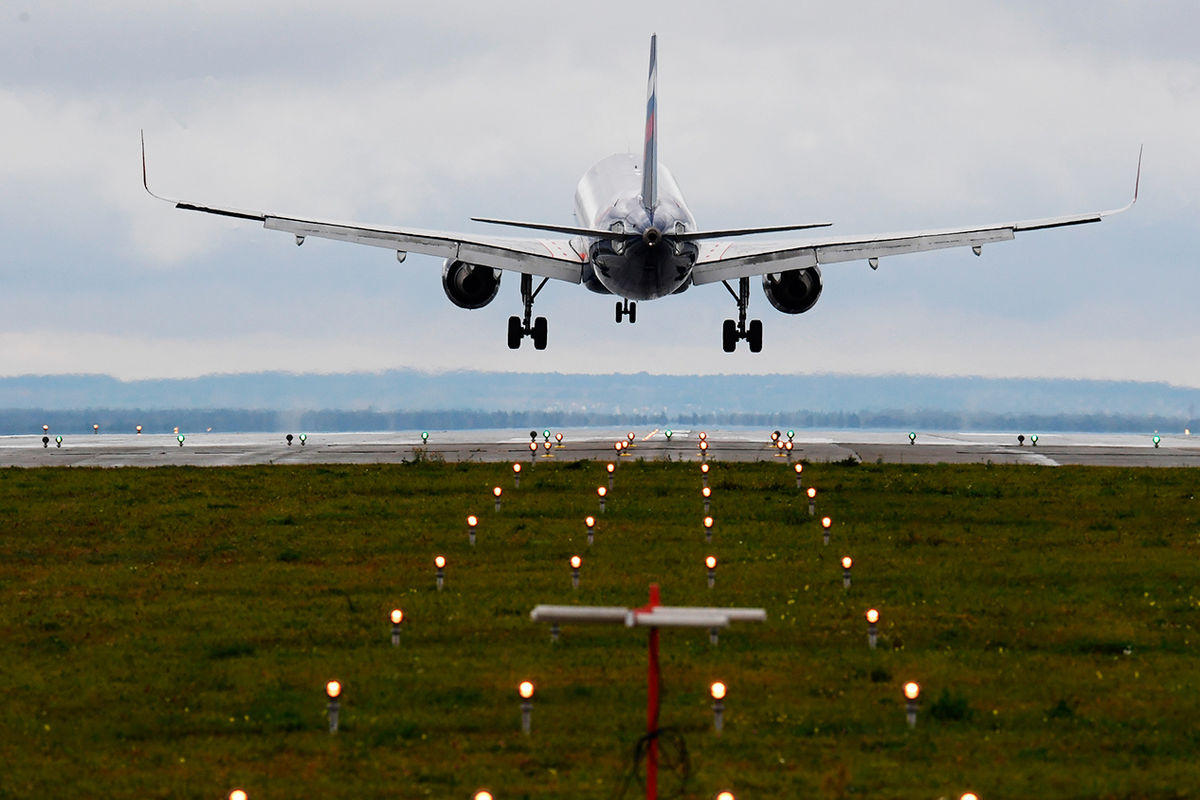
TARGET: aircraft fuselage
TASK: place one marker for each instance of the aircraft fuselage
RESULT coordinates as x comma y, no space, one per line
648,263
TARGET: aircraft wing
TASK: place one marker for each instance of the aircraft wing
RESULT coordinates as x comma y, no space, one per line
729,260
548,258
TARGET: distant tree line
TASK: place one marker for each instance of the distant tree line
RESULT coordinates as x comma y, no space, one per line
229,420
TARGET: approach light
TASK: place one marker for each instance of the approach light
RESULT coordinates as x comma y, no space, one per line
589,521
497,491
710,562
600,490
525,689
95,429
617,447
576,561
482,794
397,616
630,436
703,446
517,468
708,526
969,796
703,436
611,467
472,520
872,616
847,562
139,430
912,690
45,429
812,492
333,689
440,562
826,522
704,468
799,468
707,492
558,438
238,794
775,436
725,796
533,447
708,522
717,690
779,445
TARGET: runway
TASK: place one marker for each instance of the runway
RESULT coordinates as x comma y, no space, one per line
739,444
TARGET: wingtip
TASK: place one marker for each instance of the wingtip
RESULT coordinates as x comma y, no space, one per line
1137,181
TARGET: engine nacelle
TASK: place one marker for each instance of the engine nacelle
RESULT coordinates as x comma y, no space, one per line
469,285
793,291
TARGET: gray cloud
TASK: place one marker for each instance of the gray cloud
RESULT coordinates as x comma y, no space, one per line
877,117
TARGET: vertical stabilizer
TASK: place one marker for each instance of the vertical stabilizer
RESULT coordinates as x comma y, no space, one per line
650,153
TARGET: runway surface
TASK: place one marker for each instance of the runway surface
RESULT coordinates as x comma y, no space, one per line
743,444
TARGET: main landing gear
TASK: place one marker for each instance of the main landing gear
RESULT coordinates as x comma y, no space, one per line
519,328
627,309
732,331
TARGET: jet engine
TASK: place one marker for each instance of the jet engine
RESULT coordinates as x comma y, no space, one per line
793,291
469,285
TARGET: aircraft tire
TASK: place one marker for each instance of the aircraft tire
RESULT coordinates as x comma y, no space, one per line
632,313
729,336
539,333
515,334
618,314
754,336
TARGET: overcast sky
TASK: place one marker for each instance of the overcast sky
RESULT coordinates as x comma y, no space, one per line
877,116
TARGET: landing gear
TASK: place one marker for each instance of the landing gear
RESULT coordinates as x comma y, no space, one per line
732,331
627,309
518,327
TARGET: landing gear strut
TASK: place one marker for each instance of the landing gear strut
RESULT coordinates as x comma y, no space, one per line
519,328
732,331
627,309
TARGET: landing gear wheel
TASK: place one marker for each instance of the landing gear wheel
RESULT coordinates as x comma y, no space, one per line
729,336
515,334
632,313
754,336
620,313
539,333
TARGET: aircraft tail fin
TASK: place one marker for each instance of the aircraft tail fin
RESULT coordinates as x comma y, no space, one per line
650,153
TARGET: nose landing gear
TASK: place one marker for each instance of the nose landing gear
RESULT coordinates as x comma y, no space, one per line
518,327
626,308
733,331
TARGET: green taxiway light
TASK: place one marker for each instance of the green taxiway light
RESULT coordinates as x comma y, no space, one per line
1157,439
424,436
180,438
791,434
912,436
669,432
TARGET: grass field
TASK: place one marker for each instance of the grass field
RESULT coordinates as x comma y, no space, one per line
168,632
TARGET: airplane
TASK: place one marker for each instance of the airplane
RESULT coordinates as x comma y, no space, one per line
636,239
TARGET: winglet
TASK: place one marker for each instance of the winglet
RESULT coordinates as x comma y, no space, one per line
145,180
650,152
1137,182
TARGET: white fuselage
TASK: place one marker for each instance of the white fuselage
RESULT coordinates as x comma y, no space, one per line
647,264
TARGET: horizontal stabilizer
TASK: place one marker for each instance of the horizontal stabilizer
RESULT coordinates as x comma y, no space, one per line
687,236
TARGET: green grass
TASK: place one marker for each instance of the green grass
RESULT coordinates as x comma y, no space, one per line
168,632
